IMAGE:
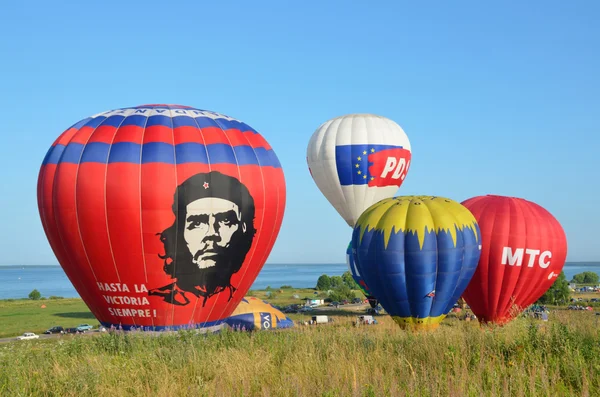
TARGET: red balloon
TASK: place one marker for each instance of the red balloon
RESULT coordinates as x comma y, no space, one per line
161,216
523,251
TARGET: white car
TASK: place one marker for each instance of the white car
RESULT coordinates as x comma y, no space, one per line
28,335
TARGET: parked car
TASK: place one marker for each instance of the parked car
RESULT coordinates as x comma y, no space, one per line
55,330
356,300
84,327
27,336
71,330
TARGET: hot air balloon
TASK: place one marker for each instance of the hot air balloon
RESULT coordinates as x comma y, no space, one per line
524,251
357,160
358,278
161,216
417,254
255,314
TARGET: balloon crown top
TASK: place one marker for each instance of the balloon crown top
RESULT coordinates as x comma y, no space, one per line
162,105
360,115
504,197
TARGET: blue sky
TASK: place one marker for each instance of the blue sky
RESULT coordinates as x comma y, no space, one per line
495,99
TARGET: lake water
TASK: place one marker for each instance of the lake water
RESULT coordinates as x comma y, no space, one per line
18,281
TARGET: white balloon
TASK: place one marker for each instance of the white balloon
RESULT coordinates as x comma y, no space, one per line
357,160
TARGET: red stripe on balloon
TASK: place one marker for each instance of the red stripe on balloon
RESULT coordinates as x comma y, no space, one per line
158,133
67,228
129,133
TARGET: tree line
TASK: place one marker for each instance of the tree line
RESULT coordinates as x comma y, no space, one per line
339,288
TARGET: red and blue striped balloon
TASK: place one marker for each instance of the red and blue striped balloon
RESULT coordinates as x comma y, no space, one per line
161,216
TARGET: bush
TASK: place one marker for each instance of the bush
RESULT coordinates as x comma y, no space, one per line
55,297
286,287
35,295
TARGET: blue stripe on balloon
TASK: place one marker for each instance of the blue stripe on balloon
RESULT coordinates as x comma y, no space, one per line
220,153
224,124
95,122
72,153
131,327
113,121
159,120
159,152
184,121
95,152
245,155
190,153
136,120
80,123
267,157
205,122
53,155
125,152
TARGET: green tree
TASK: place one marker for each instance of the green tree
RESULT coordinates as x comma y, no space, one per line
341,292
558,293
336,281
590,278
586,278
323,283
349,281
35,295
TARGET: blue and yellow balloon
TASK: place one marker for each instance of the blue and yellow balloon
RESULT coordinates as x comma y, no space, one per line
417,254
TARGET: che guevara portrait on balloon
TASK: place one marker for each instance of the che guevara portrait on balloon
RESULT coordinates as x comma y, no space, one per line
208,241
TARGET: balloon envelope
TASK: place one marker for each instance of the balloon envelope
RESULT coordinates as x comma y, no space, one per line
161,215
256,314
354,271
417,254
524,251
358,278
357,160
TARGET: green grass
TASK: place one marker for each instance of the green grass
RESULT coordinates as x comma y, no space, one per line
20,316
524,358
24,315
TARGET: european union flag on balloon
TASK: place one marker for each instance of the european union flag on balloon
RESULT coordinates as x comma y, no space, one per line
372,165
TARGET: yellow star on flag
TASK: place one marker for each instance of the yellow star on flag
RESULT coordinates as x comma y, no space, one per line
364,152
364,177
359,172
358,158
372,150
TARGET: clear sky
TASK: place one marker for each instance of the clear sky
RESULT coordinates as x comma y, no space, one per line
495,99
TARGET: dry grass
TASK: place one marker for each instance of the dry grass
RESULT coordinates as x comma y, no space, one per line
525,358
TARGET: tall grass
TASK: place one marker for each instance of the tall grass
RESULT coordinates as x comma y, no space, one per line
524,358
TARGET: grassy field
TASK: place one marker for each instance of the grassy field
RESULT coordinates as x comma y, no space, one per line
20,316
560,357
24,315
